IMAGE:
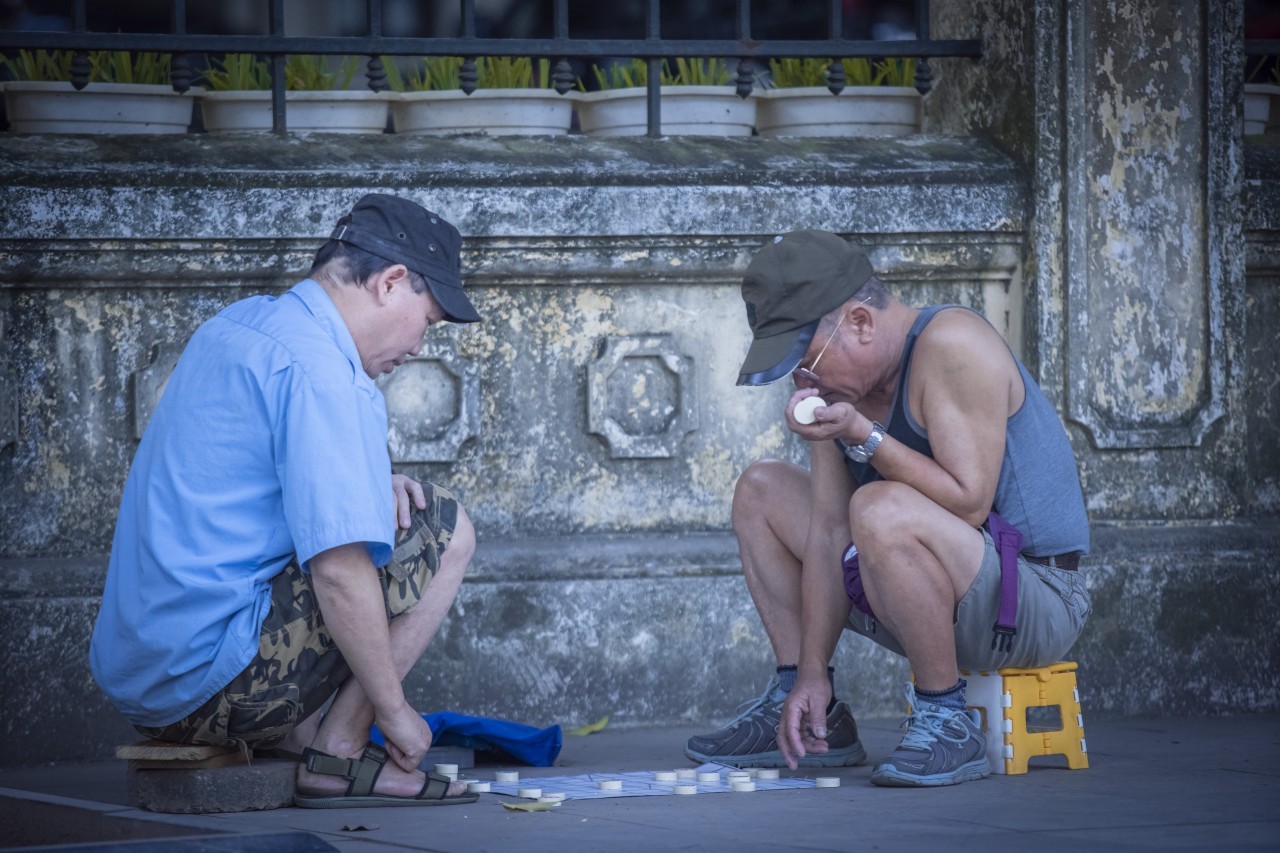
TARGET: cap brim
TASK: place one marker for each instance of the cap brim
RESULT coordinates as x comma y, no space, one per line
770,359
457,308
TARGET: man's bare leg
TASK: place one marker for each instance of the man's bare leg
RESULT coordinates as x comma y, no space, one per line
771,521
344,731
917,561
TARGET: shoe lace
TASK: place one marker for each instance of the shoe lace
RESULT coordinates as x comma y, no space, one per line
926,725
749,708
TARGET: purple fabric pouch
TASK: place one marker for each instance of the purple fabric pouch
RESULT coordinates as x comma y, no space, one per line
853,580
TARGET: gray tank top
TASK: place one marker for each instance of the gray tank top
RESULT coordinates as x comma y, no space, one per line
1039,488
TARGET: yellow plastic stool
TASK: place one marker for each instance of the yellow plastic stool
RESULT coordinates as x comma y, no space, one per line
1012,691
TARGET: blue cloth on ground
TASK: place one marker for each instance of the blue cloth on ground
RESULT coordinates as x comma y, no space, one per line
530,745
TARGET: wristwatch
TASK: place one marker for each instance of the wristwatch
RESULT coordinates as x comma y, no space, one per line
863,452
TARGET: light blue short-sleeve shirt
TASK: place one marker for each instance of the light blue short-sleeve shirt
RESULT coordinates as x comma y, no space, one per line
269,441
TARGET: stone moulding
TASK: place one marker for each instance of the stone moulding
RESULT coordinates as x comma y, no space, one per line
640,397
433,406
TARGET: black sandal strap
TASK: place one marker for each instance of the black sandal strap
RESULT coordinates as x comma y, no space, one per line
435,788
362,772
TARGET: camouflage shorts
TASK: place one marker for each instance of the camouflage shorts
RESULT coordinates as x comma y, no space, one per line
298,667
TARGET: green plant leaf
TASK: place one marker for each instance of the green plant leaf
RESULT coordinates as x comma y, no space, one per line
238,72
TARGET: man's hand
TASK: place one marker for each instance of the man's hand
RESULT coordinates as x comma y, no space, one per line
803,727
408,736
835,420
406,490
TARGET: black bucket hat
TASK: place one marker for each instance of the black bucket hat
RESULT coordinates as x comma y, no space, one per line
406,233
789,286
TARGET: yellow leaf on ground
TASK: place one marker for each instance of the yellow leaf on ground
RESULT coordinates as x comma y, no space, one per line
592,728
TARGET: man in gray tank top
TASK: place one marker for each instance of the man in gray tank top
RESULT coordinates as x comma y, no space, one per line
935,452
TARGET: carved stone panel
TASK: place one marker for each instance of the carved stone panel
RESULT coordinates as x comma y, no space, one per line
1146,150
640,396
149,384
433,406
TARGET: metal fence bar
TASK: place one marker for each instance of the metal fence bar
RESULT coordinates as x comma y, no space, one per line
279,121
746,77
653,100
413,46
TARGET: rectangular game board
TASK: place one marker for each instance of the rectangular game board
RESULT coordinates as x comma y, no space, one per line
636,784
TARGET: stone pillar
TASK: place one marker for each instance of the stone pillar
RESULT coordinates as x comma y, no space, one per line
1124,113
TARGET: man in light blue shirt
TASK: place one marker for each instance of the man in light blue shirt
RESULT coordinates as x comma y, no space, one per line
266,558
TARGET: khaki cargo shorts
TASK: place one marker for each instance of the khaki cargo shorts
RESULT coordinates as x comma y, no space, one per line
1053,605
298,667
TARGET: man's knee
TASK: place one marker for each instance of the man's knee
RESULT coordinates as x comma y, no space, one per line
755,488
462,545
882,517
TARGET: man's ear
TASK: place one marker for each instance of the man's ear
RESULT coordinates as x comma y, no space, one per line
863,322
384,282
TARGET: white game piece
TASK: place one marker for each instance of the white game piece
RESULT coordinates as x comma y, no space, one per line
556,800
827,782
552,796
753,772
530,793
686,773
686,789
709,778
609,784
744,787
804,409
666,776
507,776
738,775
767,773
447,769
477,787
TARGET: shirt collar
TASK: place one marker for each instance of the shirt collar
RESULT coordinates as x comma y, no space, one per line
321,307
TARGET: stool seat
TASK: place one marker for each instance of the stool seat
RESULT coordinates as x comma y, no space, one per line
1003,698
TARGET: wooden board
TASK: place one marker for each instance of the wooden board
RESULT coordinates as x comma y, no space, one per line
158,750
224,760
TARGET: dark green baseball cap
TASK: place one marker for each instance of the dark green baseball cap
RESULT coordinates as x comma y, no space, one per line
789,286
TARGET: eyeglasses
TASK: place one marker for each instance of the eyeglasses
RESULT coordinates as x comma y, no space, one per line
806,373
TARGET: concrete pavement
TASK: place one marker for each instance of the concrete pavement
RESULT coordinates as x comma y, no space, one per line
1153,784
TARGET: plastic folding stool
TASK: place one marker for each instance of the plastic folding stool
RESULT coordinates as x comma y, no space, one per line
1003,697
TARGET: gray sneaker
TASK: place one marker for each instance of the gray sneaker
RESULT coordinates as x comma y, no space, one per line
751,738
942,746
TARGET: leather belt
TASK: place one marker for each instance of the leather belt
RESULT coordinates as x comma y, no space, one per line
1069,561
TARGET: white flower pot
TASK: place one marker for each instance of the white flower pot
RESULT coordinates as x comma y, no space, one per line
856,111
345,111
1261,108
47,107
497,112
686,110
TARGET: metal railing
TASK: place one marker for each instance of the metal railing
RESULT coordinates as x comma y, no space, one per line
560,47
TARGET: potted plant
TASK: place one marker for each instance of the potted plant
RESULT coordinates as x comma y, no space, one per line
509,98
126,93
317,97
1261,99
696,100
876,100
